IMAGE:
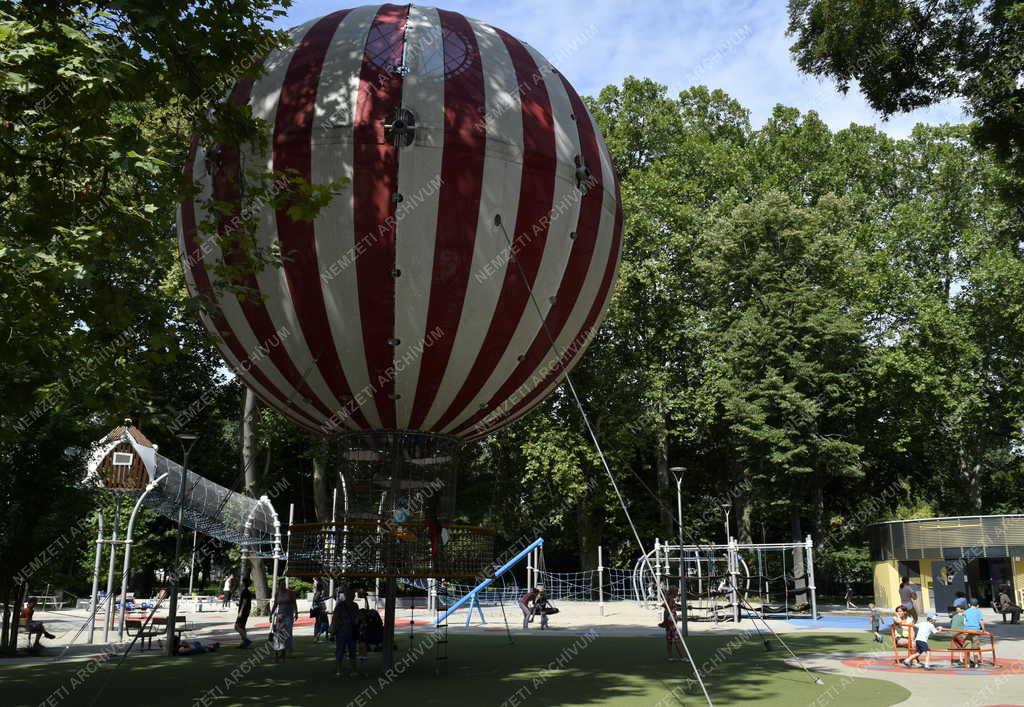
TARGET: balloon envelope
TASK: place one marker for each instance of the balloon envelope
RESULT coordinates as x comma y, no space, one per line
467,263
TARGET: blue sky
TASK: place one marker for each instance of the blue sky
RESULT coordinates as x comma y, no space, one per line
736,45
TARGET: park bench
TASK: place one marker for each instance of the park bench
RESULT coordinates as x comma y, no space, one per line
157,628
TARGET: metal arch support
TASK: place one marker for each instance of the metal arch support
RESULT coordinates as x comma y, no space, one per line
128,551
93,600
278,555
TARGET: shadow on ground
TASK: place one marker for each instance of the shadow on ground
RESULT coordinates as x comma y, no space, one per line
547,669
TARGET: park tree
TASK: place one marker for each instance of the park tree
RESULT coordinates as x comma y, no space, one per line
786,350
907,54
97,100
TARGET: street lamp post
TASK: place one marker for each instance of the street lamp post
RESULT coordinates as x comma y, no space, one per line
678,472
732,563
187,440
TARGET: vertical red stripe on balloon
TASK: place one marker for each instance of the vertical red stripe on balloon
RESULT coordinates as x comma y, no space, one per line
227,176
575,272
374,186
293,154
565,363
194,262
530,234
462,170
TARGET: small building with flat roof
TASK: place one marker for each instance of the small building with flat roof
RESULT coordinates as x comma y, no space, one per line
975,555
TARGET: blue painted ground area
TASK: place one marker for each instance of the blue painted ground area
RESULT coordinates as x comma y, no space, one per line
841,622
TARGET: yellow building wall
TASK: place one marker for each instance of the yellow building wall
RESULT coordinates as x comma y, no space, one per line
926,588
887,584
1018,578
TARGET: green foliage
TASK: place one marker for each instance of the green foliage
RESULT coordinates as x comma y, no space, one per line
97,101
905,54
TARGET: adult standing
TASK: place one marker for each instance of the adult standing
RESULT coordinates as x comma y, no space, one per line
344,628
244,607
228,584
286,608
907,597
526,605
318,610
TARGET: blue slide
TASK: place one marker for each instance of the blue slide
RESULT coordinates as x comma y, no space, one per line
471,596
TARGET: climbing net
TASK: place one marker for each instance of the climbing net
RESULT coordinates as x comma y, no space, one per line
382,548
494,595
587,585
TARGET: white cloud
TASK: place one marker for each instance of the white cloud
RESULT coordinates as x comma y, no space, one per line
739,46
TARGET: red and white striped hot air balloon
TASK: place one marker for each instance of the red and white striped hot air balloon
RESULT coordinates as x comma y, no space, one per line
402,305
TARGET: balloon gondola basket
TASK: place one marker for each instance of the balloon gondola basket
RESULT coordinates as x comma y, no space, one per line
394,515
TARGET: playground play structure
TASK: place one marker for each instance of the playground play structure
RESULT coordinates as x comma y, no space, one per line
733,581
126,465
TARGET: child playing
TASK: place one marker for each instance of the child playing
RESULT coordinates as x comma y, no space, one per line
901,626
959,639
540,607
924,631
974,620
673,641
876,621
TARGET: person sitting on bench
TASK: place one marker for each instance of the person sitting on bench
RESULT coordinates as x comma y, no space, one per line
1006,606
34,628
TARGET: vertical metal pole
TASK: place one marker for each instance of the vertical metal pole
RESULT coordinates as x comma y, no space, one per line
93,599
172,606
733,571
657,565
110,572
277,555
334,548
192,563
387,657
344,527
241,561
529,570
810,577
291,522
600,577
683,587
127,565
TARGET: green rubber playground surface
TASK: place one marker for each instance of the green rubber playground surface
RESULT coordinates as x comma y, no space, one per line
481,670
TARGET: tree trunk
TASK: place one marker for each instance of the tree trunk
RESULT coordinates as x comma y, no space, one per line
799,567
743,503
970,473
258,574
321,500
590,523
664,485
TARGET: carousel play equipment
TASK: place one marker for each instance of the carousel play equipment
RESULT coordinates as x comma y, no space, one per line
728,582
448,289
128,467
